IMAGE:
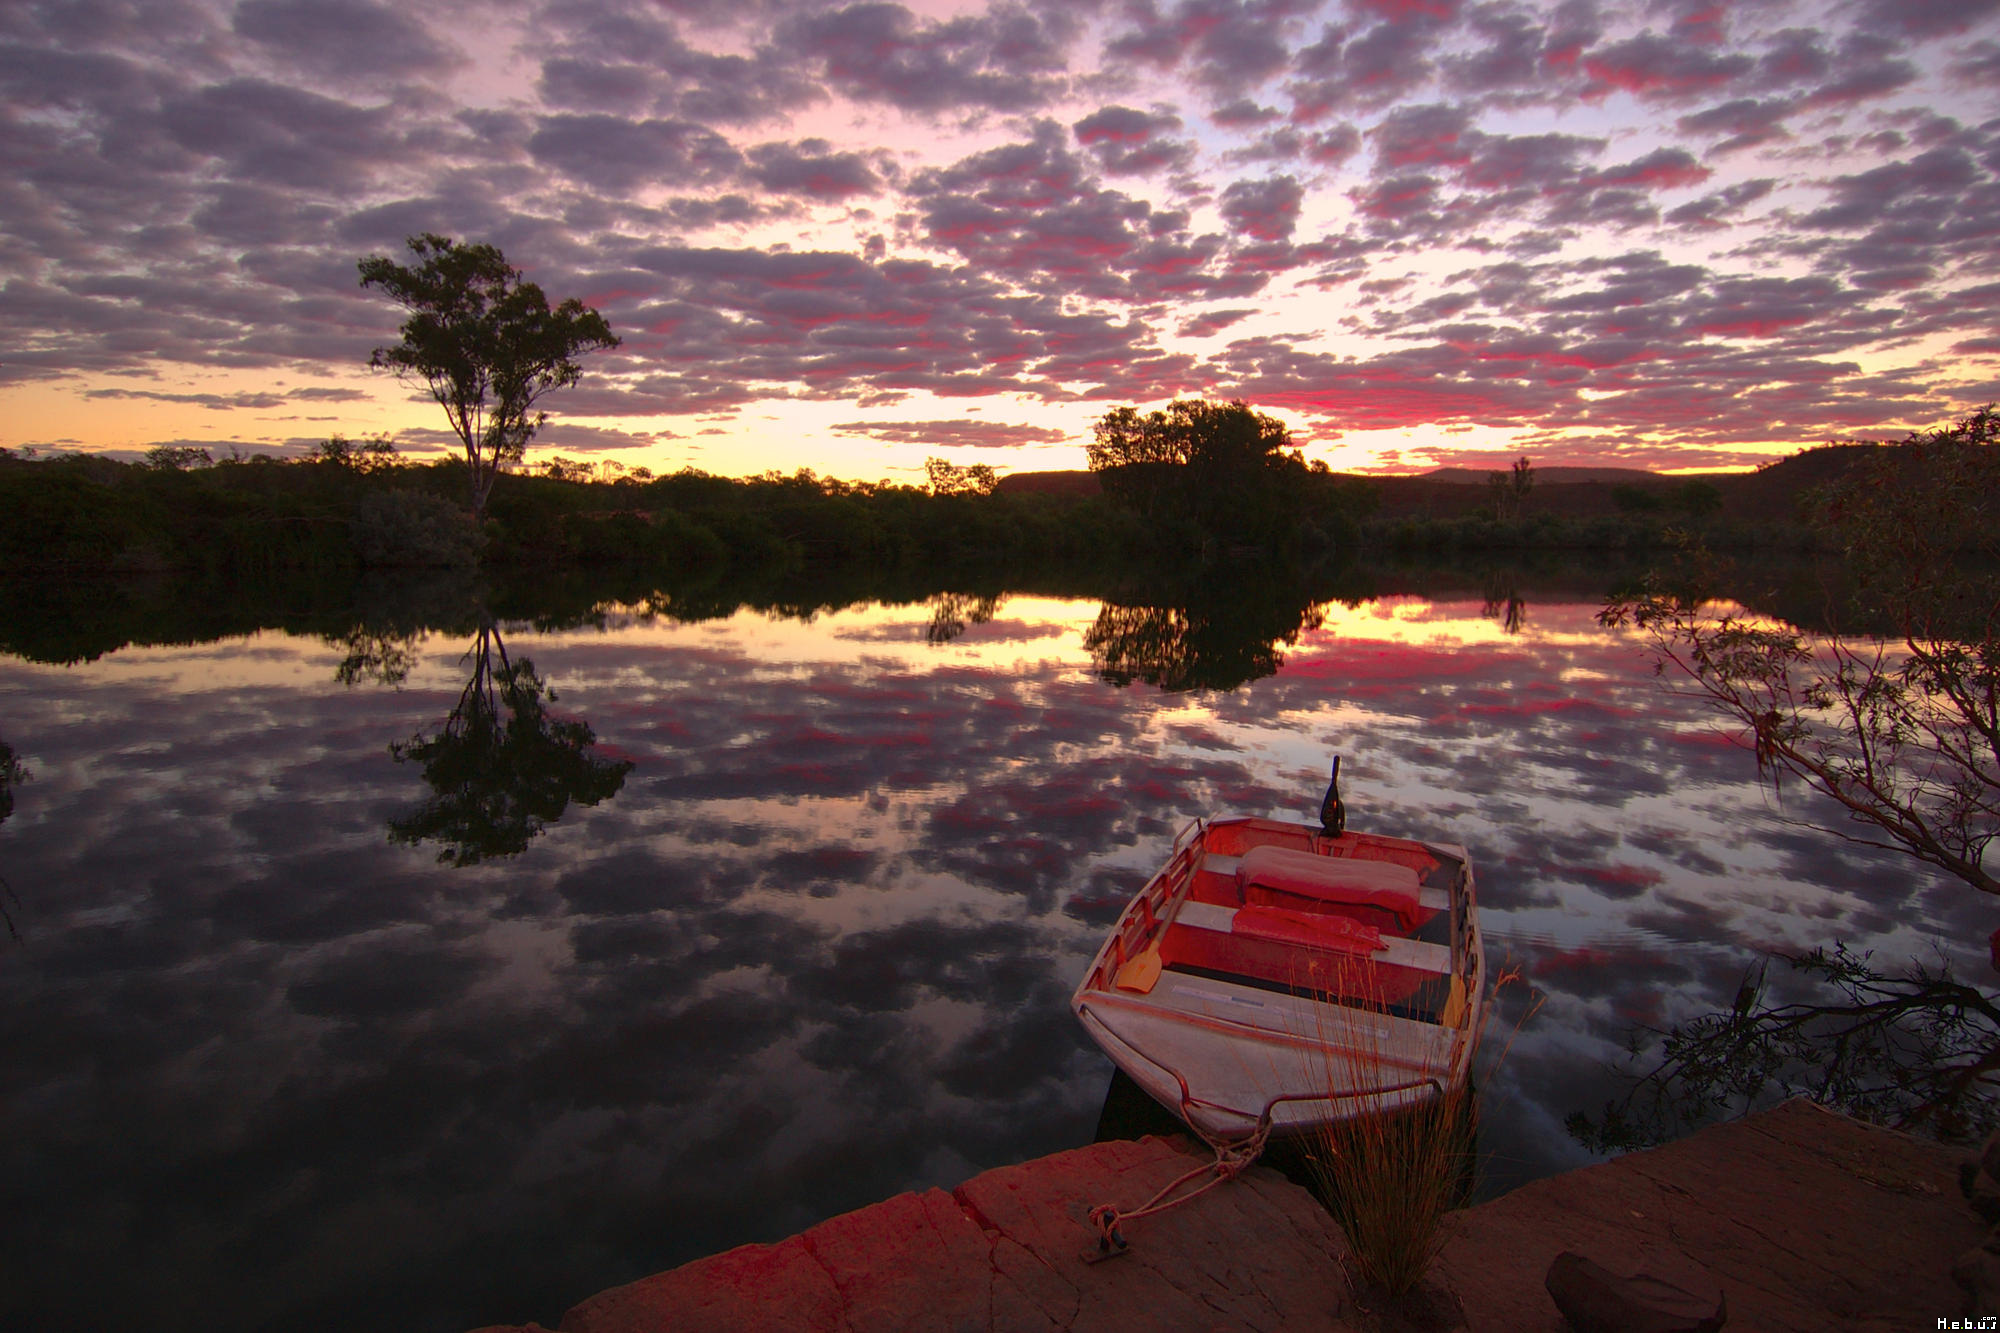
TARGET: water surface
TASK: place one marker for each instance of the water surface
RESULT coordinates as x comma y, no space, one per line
795,930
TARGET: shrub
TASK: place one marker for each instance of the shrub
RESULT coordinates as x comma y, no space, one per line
411,529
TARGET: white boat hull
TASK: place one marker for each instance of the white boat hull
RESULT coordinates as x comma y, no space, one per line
1246,1002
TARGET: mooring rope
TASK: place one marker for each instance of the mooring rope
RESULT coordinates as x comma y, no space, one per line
1232,1158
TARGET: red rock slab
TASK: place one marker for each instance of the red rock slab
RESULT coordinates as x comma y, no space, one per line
1003,1251
1807,1219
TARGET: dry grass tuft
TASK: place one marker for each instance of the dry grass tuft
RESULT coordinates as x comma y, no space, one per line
1390,1176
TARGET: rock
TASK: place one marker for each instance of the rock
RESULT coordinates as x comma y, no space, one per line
1661,1294
1979,1181
1977,1272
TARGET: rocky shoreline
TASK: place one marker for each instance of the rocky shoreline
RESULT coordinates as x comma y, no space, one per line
1795,1218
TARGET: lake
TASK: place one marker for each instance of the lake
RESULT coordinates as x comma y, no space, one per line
313,1022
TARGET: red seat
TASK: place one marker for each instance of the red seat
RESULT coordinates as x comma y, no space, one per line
1383,884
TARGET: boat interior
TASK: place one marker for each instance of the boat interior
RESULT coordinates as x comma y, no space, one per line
1361,920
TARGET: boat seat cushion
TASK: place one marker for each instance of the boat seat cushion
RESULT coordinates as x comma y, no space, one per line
1310,930
1334,879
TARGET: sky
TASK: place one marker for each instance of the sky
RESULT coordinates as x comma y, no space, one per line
852,236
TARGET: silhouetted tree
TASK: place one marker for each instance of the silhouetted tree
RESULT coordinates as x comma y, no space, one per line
1905,733
501,769
1917,1052
485,342
948,478
373,454
1510,489
1229,471
177,457
1698,498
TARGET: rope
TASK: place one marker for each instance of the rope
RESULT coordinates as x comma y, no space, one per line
1231,1160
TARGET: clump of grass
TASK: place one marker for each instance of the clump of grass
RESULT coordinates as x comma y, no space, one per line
1390,1178
1391,1173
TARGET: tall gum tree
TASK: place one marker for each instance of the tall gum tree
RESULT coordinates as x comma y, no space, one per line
485,342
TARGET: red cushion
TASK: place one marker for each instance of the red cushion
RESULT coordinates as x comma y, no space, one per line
1310,930
1334,880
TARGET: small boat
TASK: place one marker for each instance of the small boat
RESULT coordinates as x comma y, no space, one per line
1275,976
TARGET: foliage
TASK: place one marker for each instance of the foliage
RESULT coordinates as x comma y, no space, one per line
1697,498
497,781
1918,1052
1635,499
949,479
177,458
12,773
410,529
374,655
1211,644
1221,478
1389,1176
1903,733
485,342
1510,489
1192,433
953,613
373,454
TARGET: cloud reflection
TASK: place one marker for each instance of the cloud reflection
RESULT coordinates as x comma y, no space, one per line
268,1067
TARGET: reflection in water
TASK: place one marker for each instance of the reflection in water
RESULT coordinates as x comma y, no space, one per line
375,655
12,774
268,1069
497,782
952,613
1504,603
1918,1052
1224,640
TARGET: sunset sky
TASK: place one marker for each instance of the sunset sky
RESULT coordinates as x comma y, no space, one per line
851,236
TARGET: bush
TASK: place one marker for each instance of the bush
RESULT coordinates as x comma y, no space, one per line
409,529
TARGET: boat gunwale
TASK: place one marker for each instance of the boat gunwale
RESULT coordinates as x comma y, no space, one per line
1156,907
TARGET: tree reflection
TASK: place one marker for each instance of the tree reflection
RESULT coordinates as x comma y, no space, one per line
12,773
1215,643
1503,602
1919,1052
501,769
953,612
383,657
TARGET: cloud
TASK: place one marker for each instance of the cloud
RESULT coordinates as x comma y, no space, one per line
1660,68
345,41
1010,59
811,168
1745,121
1127,142
1211,322
1037,200
1229,45
609,152
1265,210
954,434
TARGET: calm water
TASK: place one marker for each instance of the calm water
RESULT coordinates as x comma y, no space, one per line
271,1063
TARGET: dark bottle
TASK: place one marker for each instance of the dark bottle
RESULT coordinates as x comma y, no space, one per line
1333,814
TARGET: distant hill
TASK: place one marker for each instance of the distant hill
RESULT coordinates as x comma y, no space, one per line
1771,493
1544,476
1048,483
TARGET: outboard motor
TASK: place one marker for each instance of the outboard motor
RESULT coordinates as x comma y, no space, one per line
1333,814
